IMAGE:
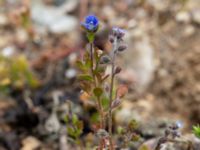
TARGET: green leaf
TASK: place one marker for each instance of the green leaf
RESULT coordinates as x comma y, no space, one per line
98,70
133,125
80,65
85,77
32,82
71,131
66,119
98,92
94,117
143,147
80,125
74,119
121,130
75,127
196,131
18,72
88,63
105,101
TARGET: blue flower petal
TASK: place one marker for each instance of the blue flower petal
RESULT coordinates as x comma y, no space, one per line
91,23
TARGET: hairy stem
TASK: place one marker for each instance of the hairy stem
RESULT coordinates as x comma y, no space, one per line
92,63
100,108
96,84
102,124
113,55
110,100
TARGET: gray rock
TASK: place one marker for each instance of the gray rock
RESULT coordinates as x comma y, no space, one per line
187,142
183,16
54,18
142,65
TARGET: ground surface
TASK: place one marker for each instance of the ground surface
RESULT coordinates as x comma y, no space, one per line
164,76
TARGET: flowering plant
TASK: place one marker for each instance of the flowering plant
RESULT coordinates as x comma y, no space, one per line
99,85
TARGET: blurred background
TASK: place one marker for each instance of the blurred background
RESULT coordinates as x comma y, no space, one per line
40,41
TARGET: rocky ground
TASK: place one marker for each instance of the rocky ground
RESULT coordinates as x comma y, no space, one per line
161,66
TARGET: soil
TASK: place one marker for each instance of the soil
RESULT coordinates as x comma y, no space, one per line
173,92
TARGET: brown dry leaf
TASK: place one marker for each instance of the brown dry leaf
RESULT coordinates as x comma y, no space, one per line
122,90
84,97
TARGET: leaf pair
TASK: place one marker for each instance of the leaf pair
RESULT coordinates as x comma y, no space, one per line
75,126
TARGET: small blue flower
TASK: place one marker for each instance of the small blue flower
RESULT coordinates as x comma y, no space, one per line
91,23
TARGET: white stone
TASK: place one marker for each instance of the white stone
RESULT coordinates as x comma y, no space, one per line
70,73
183,16
53,18
8,51
52,124
63,24
189,30
141,54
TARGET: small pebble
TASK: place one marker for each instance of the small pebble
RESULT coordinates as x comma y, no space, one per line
70,73
189,30
183,17
8,51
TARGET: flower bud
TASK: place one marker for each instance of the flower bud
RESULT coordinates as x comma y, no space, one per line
111,38
105,59
119,33
122,48
106,87
117,70
116,103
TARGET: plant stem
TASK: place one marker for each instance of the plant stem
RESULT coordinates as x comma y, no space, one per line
113,54
92,63
101,113
111,99
96,84
100,109
110,96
